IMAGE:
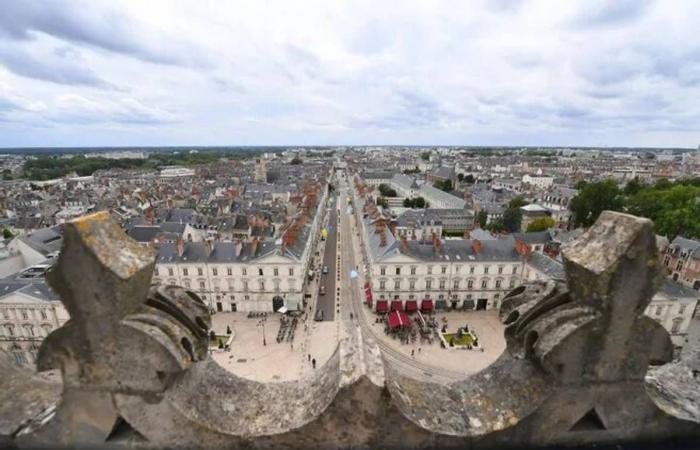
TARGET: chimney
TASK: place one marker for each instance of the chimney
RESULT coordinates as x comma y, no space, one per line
404,244
476,246
209,246
522,248
382,238
253,246
180,247
437,244
238,247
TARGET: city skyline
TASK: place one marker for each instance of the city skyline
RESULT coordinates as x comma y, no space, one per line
494,73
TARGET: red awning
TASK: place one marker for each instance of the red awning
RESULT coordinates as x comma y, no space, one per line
398,319
368,294
382,306
426,305
368,297
366,284
411,306
396,305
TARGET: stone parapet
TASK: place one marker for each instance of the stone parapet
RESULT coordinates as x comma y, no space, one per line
136,371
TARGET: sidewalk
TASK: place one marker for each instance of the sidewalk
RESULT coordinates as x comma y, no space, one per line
273,362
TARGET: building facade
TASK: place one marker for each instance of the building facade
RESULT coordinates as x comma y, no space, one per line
28,313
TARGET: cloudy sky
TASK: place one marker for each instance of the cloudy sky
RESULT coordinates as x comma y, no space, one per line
264,72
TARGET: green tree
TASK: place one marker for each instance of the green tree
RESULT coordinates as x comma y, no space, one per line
296,161
469,179
387,191
540,224
633,186
593,199
497,226
425,156
517,202
7,234
418,202
673,207
445,185
460,177
481,218
381,201
512,219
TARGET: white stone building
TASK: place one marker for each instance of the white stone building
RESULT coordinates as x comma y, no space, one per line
451,274
541,181
255,274
29,311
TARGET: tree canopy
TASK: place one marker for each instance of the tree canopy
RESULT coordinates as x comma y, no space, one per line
540,224
673,206
418,202
386,191
512,219
517,202
445,185
481,218
593,199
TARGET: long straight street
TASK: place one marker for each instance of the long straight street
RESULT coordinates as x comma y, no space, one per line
327,282
432,364
352,302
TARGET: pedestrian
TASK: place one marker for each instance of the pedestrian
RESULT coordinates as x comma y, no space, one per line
292,345
413,352
418,349
313,362
309,357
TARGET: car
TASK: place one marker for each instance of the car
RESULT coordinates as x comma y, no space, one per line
319,315
325,270
322,291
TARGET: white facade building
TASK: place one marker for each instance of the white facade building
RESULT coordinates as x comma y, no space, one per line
28,313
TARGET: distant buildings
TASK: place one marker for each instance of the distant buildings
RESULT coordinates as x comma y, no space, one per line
176,171
260,170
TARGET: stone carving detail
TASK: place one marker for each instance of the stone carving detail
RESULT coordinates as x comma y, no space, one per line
136,370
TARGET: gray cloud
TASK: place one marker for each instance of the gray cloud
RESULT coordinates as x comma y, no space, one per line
524,71
607,13
82,23
64,67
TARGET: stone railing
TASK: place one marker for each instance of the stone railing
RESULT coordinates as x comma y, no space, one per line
136,371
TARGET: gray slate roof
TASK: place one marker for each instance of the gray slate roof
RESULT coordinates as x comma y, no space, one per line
461,250
548,266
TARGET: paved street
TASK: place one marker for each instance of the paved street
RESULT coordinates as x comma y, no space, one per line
326,303
430,362
273,362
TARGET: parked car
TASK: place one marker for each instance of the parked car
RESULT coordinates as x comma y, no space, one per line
325,270
322,291
319,315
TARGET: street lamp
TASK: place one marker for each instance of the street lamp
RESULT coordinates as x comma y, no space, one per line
262,324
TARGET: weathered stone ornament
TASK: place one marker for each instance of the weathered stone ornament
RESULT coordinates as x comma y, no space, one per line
136,369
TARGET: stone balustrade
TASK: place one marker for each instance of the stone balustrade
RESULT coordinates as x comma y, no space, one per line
136,371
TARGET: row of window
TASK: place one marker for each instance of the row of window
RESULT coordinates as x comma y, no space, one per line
261,285
660,309
21,357
453,297
443,270
26,330
229,271
442,284
24,313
